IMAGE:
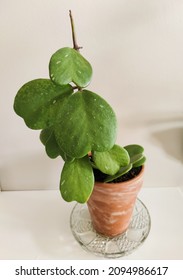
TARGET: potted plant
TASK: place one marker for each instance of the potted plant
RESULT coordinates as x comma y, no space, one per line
81,127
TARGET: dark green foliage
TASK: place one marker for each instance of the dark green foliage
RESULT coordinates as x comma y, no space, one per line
75,122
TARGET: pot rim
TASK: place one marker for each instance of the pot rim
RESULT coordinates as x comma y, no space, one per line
125,183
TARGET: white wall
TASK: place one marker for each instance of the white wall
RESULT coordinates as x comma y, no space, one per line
136,50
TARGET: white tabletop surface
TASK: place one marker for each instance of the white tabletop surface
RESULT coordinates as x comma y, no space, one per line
35,225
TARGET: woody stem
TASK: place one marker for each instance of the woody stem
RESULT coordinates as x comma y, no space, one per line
75,45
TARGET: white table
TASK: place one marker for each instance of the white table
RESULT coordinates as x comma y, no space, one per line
35,225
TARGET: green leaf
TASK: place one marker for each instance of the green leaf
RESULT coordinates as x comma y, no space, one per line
47,137
53,150
68,65
122,171
135,152
109,162
87,123
77,180
139,162
38,101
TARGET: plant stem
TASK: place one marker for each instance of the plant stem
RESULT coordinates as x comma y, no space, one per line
75,45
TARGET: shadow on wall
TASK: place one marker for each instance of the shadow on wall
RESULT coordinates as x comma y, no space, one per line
164,131
168,133
171,140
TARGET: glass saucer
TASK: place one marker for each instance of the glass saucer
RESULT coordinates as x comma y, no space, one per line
110,247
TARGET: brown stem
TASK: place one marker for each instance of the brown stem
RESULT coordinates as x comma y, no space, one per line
75,45
77,88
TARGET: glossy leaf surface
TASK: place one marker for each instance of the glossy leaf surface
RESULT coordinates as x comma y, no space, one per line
86,123
53,150
38,101
47,137
109,162
68,65
77,180
139,162
135,152
122,171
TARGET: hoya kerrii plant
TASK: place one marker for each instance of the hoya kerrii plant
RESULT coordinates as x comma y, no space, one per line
76,124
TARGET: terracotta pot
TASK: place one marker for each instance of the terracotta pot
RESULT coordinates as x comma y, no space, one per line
111,205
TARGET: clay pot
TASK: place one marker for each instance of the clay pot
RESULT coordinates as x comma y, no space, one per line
111,205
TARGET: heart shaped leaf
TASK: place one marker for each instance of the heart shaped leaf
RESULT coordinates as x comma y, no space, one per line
109,162
37,102
77,180
68,65
86,123
135,152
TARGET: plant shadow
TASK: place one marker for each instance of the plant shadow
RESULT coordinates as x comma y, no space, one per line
171,140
